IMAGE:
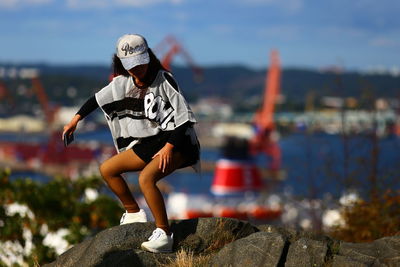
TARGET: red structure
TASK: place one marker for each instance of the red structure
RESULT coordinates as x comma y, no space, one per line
5,94
41,94
174,48
54,151
232,177
263,141
50,154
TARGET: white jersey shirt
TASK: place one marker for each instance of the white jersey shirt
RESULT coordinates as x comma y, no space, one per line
131,116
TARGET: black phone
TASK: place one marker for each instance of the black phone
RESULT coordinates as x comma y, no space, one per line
68,138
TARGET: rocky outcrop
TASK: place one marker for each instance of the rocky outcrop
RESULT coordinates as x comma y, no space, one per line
230,242
258,249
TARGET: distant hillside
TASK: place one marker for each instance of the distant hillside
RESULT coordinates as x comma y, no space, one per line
240,85
244,87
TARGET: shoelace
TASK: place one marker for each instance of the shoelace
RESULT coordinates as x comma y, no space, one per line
155,235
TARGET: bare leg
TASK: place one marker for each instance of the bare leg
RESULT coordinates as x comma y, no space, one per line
148,179
111,171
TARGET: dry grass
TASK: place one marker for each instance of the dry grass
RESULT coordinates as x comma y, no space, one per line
188,259
35,261
221,236
367,221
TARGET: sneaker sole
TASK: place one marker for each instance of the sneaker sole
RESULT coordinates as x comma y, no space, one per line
155,250
133,222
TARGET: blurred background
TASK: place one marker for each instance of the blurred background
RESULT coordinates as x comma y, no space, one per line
297,105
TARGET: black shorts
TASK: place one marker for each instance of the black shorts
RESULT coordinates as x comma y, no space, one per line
149,146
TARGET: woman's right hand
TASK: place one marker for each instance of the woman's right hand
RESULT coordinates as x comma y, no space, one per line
71,126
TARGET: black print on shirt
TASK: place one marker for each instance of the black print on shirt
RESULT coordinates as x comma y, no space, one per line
156,109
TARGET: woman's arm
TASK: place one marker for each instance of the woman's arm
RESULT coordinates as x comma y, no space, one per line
86,109
177,135
174,140
89,106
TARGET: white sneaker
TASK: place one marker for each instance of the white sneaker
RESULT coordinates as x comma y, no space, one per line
139,216
159,242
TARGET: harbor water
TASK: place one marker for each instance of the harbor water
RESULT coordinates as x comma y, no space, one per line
313,164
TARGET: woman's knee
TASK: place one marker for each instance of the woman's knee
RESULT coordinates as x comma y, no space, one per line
146,180
105,170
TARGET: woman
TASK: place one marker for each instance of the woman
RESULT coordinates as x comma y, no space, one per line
152,128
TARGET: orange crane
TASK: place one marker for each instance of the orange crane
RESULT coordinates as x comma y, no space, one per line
264,139
5,94
48,110
176,48
53,152
264,118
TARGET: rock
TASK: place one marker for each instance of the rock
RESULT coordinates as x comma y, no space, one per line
381,252
258,249
305,248
209,233
120,244
291,234
229,242
341,261
363,252
306,252
389,250
114,244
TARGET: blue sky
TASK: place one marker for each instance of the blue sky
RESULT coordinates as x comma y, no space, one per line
356,34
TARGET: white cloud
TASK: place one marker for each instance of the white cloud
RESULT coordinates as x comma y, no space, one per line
182,16
8,3
222,29
258,2
79,4
145,3
384,42
338,33
281,32
358,34
83,4
291,6
34,2
12,4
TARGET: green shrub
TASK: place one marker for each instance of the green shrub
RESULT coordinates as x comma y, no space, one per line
58,204
366,221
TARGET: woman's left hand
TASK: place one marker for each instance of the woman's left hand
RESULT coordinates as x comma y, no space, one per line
165,155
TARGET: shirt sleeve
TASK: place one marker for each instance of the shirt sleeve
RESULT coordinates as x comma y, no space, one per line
89,106
182,111
177,135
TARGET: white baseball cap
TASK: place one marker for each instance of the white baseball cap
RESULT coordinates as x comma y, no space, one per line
132,51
